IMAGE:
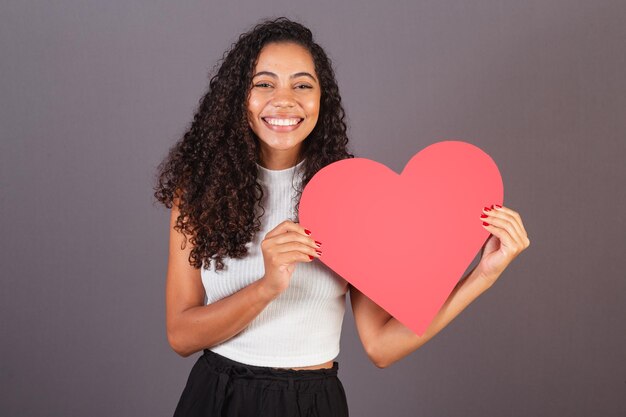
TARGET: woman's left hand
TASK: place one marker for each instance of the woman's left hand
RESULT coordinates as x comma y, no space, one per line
508,239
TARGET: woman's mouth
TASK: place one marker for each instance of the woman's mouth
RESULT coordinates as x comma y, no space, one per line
282,125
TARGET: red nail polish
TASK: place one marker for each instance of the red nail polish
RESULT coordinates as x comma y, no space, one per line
499,206
484,216
486,208
311,257
319,252
485,224
307,231
318,243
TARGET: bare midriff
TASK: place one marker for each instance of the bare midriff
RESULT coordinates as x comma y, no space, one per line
328,364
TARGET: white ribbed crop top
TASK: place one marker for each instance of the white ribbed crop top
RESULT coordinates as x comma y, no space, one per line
302,326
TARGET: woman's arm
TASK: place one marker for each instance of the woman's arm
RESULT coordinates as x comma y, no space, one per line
386,340
191,325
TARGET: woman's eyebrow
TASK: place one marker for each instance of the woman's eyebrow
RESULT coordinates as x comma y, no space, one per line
297,74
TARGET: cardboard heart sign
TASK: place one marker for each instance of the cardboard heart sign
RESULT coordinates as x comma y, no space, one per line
403,240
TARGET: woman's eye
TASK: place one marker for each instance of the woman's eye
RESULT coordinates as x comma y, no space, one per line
299,87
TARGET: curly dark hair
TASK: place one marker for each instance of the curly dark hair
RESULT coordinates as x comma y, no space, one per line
211,173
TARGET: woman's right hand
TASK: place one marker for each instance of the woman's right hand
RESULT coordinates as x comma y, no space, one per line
282,248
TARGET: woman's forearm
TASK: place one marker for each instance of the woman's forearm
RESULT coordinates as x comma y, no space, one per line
205,326
396,341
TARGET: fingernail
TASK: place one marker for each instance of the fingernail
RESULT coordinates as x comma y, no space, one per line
319,244
498,206
483,216
319,252
307,231
311,257
486,209
485,224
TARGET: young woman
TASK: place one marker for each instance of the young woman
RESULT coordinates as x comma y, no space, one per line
270,328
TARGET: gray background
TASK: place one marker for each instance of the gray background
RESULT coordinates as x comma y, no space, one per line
93,93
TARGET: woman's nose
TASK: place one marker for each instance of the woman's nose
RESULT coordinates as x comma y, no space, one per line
283,97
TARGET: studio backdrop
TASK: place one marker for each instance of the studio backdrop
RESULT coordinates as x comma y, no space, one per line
94,93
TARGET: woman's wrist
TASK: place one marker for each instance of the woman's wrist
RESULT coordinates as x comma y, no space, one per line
265,291
486,279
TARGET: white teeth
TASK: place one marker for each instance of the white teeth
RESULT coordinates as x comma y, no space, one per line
282,122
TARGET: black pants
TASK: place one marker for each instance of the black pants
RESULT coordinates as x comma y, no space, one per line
220,387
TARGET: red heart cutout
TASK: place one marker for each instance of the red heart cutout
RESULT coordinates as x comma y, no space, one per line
403,240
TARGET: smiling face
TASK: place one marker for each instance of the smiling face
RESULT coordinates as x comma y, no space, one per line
284,102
